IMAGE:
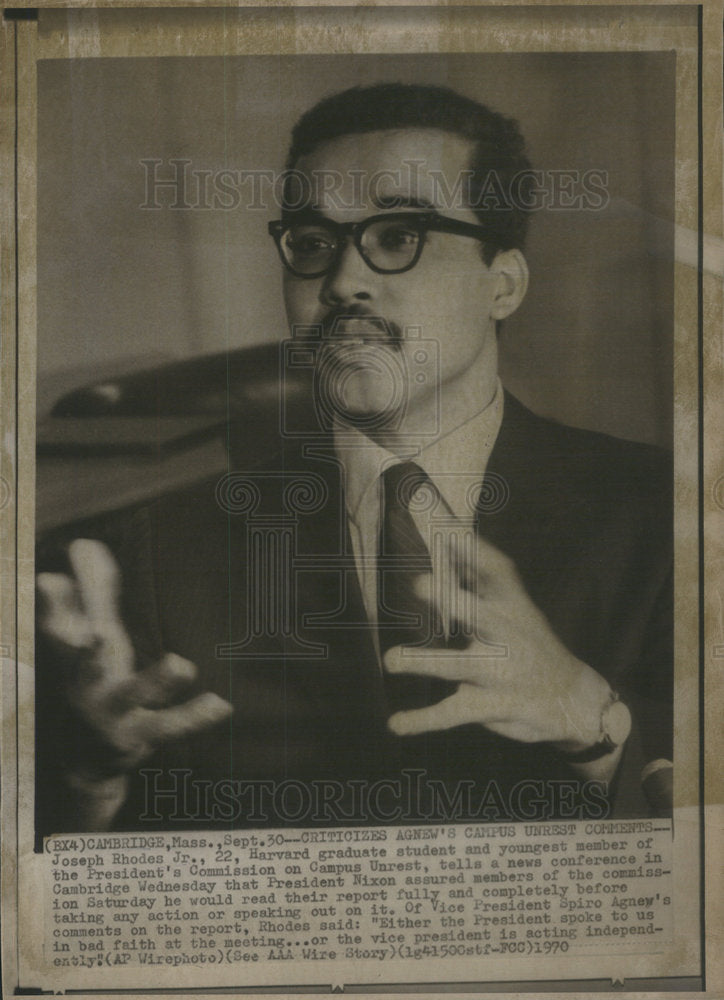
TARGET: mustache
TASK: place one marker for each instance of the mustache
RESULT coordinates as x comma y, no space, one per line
392,333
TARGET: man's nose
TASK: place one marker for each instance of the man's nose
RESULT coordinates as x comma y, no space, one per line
350,279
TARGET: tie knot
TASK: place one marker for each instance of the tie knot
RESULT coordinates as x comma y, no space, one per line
402,481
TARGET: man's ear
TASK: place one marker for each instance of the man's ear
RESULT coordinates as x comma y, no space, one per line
511,270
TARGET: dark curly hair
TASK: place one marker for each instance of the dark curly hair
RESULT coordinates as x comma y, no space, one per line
497,189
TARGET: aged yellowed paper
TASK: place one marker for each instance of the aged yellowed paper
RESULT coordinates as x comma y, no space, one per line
361,498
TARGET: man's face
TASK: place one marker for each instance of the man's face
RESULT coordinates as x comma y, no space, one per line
374,322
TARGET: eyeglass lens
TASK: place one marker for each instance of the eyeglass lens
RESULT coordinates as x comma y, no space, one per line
386,244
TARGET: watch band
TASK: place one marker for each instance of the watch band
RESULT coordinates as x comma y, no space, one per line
615,727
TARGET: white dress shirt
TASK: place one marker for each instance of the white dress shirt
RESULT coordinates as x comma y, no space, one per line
455,463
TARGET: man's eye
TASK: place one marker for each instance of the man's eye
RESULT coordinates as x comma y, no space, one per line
398,238
310,243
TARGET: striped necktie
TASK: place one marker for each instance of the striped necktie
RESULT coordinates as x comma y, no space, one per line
403,618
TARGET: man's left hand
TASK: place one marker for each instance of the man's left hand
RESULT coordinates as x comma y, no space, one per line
515,677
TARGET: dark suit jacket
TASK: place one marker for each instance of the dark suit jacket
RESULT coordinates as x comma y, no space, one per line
587,520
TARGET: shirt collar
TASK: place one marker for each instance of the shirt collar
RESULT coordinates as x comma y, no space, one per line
454,462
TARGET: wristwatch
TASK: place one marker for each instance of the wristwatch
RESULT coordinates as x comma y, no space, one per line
614,731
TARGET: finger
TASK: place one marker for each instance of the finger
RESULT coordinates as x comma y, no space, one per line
446,714
463,610
456,604
60,615
441,592
477,563
99,584
202,712
158,685
450,665
98,579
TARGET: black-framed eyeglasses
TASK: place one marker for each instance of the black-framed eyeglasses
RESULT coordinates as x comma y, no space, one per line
389,244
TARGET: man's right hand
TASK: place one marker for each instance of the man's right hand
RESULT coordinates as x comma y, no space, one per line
127,713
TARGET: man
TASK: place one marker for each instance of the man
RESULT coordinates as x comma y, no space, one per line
470,619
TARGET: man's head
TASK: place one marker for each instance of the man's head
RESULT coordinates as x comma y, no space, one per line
447,166
498,165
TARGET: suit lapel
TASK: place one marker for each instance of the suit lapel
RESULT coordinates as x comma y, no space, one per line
520,492
330,608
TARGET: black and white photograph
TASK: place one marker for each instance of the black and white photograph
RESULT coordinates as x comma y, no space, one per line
408,596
